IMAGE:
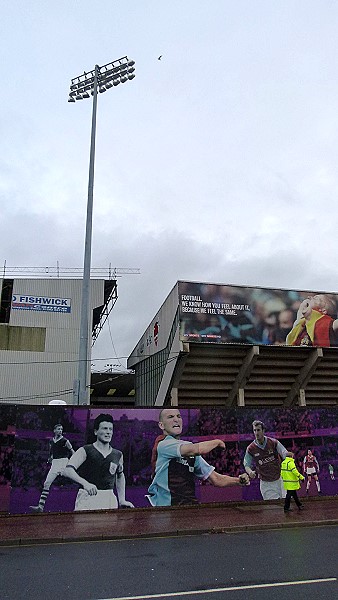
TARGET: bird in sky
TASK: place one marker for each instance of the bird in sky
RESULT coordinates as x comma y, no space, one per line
159,58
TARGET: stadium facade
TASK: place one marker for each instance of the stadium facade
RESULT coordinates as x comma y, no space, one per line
226,345
39,335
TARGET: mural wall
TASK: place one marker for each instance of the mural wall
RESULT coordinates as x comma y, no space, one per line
62,458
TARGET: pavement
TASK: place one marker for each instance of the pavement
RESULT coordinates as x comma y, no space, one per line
158,522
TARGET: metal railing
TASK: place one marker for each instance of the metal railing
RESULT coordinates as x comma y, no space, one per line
66,272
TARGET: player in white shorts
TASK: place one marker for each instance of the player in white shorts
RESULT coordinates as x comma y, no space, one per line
98,468
60,450
266,454
311,469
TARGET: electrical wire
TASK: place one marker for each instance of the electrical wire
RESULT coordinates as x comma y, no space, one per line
112,342
38,396
75,360
69,391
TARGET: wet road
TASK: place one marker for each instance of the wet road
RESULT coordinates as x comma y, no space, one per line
280,564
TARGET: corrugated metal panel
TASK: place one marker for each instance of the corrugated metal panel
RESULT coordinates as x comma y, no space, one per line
54,288
62,340
37,382
37,377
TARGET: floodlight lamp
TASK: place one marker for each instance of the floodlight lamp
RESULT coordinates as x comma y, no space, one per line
131,69
116,82
109,85
124,79
78,97
85,95
130,63
71,99
131,76
102,89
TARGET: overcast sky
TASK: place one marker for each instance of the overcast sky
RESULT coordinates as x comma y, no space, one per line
217,163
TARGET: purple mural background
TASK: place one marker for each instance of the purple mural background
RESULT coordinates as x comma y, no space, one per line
7,436
26,431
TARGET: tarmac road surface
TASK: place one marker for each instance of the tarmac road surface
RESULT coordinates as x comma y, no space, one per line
298,563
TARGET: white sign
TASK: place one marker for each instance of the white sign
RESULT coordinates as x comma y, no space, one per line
41,303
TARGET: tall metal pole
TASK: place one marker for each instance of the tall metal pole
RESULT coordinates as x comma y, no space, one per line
84,363
104,77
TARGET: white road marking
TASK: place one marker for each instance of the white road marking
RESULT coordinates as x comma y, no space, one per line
225,589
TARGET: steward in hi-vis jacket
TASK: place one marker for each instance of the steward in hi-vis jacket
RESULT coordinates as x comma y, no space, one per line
291,481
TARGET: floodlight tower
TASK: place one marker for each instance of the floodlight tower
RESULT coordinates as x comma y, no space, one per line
99,79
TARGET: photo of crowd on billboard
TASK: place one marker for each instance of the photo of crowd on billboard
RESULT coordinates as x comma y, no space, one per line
247,315
64,458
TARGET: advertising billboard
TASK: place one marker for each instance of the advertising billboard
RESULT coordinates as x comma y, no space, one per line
41,303
64,458
231,314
